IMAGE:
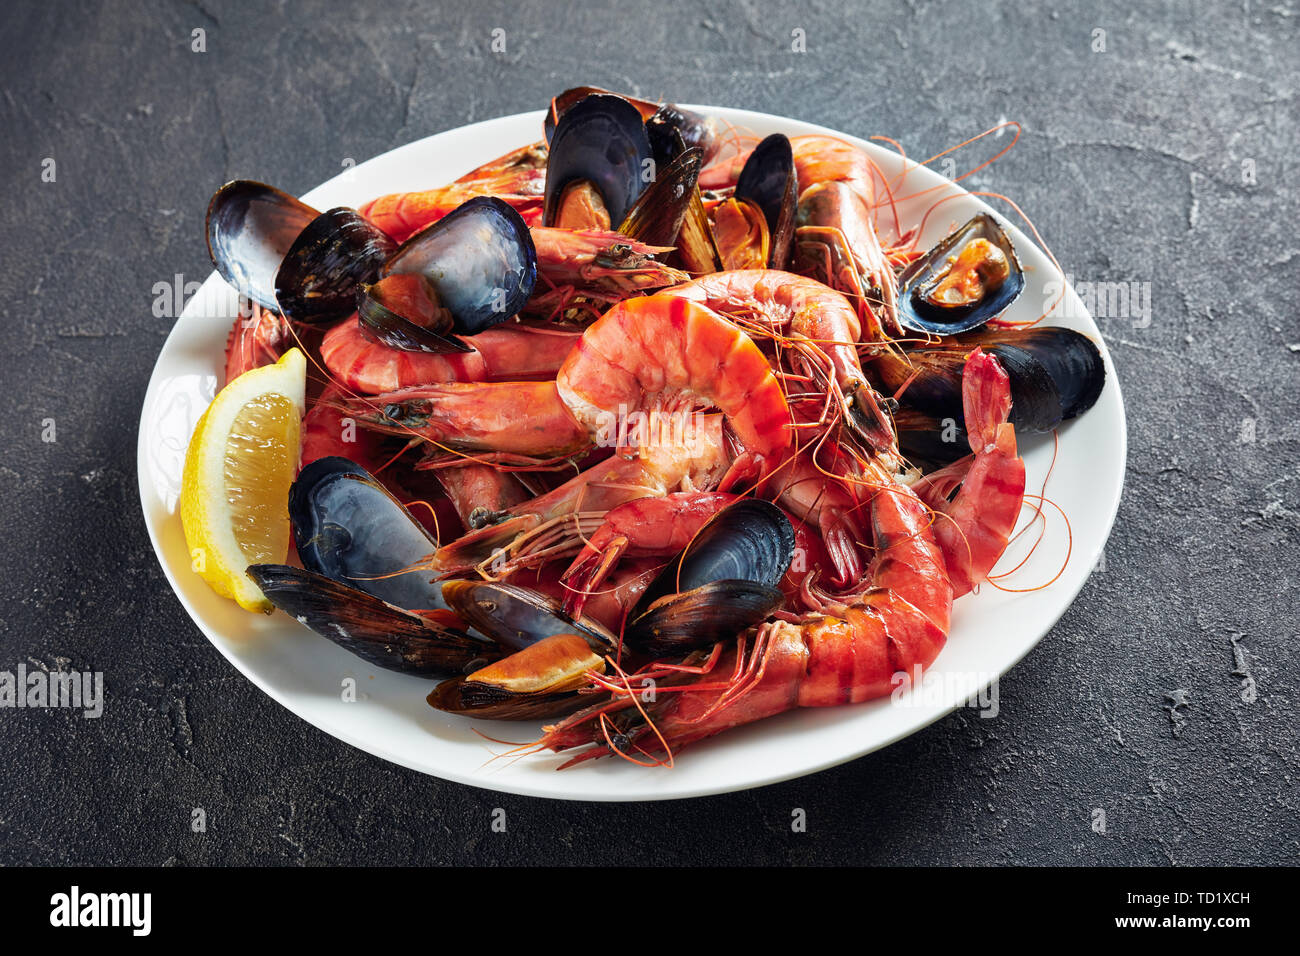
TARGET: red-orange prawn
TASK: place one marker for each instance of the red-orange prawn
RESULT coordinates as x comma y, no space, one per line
836,239
519,178
256,339
974,526
850,654
809,319
634,380
510,351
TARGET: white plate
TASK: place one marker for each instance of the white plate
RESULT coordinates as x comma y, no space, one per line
991,631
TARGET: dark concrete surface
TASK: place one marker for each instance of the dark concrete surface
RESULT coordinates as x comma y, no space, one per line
1165,697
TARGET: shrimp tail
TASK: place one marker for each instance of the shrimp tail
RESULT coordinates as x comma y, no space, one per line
974,526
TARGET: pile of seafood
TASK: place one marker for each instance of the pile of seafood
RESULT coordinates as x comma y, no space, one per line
646,430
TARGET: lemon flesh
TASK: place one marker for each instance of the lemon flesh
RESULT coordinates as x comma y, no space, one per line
238,469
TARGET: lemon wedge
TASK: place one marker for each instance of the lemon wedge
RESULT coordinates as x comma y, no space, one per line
235,487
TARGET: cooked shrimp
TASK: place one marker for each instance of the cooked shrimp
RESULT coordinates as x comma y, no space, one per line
977,523
847,655
836,238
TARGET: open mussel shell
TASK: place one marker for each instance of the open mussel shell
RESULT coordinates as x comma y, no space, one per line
697,251
712,612
663,121
480,260
402,312
670,123
917,312
540,681
600,140
769,180
250,227
564,102
379,633
517,617
740,234
334,254
656,217
349,528
724,582
1056,374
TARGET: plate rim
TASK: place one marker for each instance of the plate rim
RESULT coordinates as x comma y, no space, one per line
486,781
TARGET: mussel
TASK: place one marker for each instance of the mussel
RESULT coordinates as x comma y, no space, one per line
755,227
250,227
427,643
540,681
664,122
1056,374
670,124
515,616
724,582
656,217
970,277
403,312
349,528
929,441
284,255
696,251
600,160
480,262
338,251
552,653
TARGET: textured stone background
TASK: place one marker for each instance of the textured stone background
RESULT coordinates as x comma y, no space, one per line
1131,163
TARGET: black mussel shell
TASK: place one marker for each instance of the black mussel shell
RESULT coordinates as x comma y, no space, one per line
601,140
749,540
1056,374
926,379
670,125
1035,396
1070,359
712,612
664,122
930,441
539,681
480,260
465,697
379,633
697,251
724,582
657,216
348,527
564,102
769,180
395,325
250,228
336,253
917,314
517,617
